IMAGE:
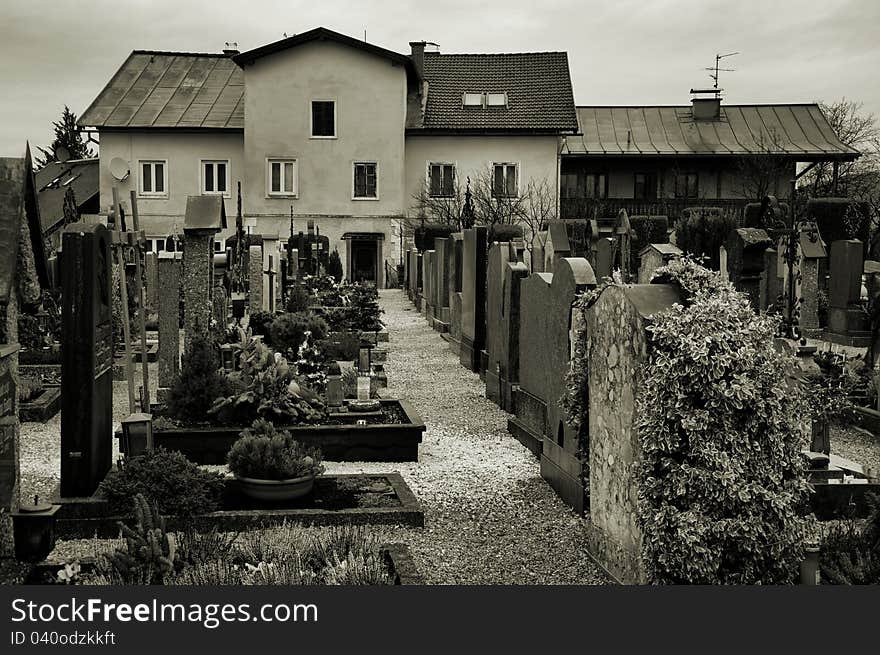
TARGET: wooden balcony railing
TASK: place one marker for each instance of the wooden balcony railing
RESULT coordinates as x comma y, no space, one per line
586,208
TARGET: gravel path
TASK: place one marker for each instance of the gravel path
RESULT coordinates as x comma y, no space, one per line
489,516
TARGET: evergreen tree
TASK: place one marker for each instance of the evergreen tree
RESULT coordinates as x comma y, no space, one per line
66,135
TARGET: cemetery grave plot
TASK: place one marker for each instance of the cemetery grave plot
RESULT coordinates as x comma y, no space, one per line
346,499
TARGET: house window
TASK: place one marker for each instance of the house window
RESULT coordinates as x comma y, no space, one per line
219,245
496,99
154,181
504,180
215,176
580,185
282,177
645,186
686,185
441,180
472,99
365,180
323,119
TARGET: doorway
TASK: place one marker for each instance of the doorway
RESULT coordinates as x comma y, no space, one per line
363,260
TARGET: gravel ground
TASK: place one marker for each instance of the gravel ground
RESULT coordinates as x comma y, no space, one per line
856,444
490,518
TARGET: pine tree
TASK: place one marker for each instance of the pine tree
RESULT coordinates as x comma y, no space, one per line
66,135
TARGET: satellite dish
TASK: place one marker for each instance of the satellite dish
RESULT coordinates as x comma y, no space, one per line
119,168
61,154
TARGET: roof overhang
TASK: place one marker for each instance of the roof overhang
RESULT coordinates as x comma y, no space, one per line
365,236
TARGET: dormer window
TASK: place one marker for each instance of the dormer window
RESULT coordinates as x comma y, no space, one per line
496,99
472,100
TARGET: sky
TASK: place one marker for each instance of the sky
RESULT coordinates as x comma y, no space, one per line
57,52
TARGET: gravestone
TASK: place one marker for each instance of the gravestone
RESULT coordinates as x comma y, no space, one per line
847,322
604,258
453,337
441,302
745,248
473,297
545,323
255,279
654,256
169,320
504,269
23,269
205,217
617,343
420,280
722,259
220,309
428,275
811,250
86,359
771,284
556,245
413,286
151,275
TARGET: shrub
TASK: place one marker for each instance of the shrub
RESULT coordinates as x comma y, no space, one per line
701,231
266,387
341,346
721,484
260,323
500,232
424,235
166,478
299,299
264,453
334,266
198,384
29,389
850,553
839,218
365,310
288,331
149,555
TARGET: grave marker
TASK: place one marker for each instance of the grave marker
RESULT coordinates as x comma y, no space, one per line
745,248
654,256
255,279
169,319
442,262
205,217
473,297
87,359
151,264
847,323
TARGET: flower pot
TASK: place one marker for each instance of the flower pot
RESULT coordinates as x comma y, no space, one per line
276,490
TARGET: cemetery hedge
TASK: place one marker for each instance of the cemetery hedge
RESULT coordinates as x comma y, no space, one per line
646,230
166,478
722,493
701,231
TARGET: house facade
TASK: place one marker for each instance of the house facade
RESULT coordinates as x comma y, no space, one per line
326,129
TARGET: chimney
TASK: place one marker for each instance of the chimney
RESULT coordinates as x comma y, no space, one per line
231,49
706,108
418,56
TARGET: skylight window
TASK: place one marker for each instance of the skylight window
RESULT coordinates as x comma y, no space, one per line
496,99
472,100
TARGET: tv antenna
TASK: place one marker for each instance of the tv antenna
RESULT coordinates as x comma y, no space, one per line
713,72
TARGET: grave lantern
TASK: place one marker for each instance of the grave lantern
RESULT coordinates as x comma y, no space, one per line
137,434
227,357
365,357
334,387
33,529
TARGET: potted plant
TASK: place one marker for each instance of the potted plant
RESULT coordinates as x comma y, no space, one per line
271,466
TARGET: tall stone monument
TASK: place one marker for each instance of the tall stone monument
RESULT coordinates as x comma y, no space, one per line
205,217
169,319
86,359
473,297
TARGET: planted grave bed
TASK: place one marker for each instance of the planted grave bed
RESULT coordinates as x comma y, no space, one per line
41,407
392,434
344,499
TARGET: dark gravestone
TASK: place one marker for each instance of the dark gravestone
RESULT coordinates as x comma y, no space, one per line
169,318
847,323
745,248
771,284
545,316
473,297
413,284
86,359
428,278
604,257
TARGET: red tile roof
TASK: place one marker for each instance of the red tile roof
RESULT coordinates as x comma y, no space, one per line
538,87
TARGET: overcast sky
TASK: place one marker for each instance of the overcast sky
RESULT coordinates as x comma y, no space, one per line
57,52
